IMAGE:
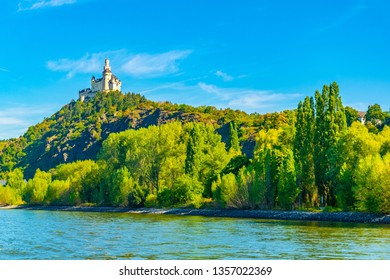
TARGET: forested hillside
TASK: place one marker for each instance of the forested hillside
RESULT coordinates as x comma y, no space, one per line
124,150
77,131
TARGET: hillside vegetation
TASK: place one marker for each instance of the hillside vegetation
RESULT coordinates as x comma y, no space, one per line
77,131
125,150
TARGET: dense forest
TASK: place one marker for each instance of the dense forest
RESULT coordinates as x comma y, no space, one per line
125,150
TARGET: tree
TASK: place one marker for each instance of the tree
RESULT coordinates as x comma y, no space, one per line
373,180
15,180
269,152
82,176
287,188
351,115
375,114
330,123
58,193
185,189
194,153
228,189
355,144
235,164
36,188
303,151
233,144
121,186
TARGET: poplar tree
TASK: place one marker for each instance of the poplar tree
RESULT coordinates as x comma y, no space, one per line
233,144
287,188
330,122
193,153
303,151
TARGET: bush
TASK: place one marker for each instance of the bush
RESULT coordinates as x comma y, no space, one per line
9,196
151,201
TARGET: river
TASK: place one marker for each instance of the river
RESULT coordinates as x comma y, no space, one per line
43,235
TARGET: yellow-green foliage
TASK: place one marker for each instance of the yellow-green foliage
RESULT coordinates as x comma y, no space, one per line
9,196
36,188
155,158
58,192
78,174
373,184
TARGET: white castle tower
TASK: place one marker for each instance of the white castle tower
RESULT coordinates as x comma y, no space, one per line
108,82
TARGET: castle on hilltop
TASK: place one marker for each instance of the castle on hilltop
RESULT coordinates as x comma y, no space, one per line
106,83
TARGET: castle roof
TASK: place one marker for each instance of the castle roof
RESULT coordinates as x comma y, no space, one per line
85,90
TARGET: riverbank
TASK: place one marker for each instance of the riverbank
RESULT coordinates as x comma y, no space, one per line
354,217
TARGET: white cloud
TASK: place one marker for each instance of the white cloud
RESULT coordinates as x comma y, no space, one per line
224,76
249,99
15,119
11,121
212,89
35,5
3,70
140,65
154,64
86,64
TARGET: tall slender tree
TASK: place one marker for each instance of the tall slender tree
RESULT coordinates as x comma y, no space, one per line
303,151
233,144
193,154
287,187
330,122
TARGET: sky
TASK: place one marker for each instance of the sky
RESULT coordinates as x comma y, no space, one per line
252,55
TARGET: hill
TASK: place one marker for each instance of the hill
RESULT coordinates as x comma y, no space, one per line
76,132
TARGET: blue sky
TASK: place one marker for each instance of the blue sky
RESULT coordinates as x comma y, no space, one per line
257,56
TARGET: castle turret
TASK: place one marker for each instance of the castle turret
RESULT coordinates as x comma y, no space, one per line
107,82
107,74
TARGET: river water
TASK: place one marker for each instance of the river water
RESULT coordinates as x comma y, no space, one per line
28,234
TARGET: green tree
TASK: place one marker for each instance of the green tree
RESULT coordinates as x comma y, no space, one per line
372,190
194,153
269,152
122,185
233,144
80,175
353,145
228,190
15,180
185,189
330,123
351,115
287,188
58,193
36,188
303,152
375,114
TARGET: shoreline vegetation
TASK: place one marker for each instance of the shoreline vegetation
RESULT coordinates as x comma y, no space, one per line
352,217
126,151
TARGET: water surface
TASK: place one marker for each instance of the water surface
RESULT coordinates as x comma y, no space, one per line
30,234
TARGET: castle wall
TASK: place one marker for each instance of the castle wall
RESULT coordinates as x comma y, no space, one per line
96,86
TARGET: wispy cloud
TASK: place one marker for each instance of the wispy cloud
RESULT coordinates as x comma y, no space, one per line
155,64
139,65
16,118
250,99
224,76
86,64
35,5
3,70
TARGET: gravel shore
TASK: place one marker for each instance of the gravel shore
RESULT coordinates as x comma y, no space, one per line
355,217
